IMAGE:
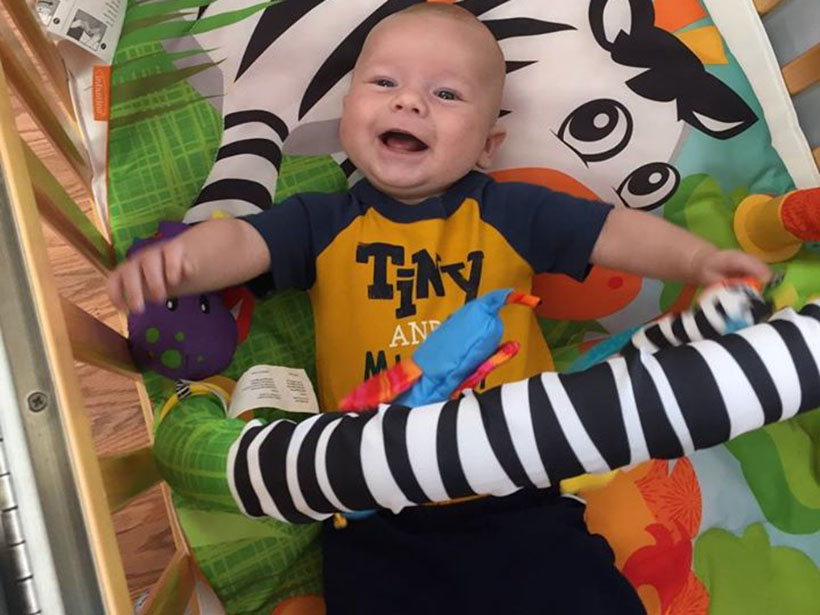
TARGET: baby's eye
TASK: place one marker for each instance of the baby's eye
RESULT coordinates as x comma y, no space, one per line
384,83
447,95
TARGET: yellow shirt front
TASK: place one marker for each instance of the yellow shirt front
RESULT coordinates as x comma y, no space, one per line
382,275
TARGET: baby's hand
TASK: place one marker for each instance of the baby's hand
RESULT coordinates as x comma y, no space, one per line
710,266
153,273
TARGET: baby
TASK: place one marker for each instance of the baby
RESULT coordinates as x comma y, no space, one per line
423,233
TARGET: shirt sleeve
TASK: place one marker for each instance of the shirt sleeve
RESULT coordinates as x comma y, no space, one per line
296,231
554,232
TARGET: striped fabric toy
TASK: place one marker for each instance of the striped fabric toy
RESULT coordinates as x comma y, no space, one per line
722,308
453,358
535,432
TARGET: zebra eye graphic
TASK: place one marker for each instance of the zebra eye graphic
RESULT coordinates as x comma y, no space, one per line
597,130
204,304
649,186
172,304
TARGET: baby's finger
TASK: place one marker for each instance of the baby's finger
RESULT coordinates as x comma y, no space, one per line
152,271
761,271
172,256
132,284
188,268
115,290
713,277
746,264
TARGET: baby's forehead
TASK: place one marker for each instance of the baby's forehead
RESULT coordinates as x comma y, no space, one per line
471,36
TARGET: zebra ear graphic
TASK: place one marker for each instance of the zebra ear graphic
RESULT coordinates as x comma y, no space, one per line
714,108
609,18
704,101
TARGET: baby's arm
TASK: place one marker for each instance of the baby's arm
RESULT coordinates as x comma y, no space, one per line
211,255
649,246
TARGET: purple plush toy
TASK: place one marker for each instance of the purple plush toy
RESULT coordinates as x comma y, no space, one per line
190,337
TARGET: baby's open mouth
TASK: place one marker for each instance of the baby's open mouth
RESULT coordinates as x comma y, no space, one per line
402,141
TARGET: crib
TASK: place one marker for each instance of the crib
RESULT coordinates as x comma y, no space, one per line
61,554
60,550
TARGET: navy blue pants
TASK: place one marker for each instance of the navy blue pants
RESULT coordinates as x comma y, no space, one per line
527,553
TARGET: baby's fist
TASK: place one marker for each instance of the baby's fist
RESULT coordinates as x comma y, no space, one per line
153,273
711,266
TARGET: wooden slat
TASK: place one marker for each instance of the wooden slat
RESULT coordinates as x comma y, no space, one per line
764,6
42,48
75,423
127,475
175,587
803,71
66,217
96,343
816,153
148,416
59,127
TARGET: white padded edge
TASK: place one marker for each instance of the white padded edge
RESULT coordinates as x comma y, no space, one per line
741,28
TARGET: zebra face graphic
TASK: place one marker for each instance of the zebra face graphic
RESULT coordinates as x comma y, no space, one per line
607,99
595,90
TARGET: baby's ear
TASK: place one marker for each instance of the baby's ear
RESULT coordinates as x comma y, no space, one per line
495,138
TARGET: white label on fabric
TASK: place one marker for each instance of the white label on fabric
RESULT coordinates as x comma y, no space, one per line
273,386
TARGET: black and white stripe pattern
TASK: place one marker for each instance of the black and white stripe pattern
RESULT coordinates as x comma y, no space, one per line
723,308
287,67
252,141
533,432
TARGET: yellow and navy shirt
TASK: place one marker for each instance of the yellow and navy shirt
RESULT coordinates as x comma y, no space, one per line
382,275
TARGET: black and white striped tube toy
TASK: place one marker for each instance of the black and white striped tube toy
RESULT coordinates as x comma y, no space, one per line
534,432
722,308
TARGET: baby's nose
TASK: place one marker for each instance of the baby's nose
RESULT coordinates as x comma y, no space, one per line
408,100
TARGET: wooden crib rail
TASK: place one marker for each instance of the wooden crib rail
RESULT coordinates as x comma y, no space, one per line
55,122
803,72
65,216
95,343
175,588
42,48
764,6
49,350
29,194
128,475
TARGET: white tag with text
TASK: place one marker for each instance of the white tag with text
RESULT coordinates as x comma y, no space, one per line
271,386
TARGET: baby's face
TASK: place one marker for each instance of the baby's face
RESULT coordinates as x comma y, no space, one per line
422,108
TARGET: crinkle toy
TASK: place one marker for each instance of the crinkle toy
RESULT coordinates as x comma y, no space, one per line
192,337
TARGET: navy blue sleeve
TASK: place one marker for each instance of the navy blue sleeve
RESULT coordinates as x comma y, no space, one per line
296,231
554,232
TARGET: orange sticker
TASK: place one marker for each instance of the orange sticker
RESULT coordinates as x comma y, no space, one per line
101,88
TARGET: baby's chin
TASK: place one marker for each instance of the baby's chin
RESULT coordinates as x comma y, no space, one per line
407,192
408,189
